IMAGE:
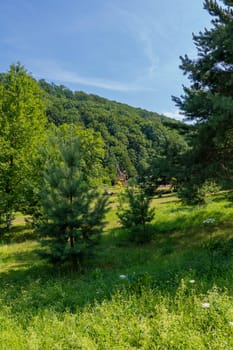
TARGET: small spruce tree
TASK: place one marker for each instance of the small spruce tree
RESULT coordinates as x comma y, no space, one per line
72,212
135,213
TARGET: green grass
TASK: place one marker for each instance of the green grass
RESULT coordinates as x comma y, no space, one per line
128,296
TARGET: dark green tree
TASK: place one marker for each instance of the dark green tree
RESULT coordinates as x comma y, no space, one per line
166,166
208,101
135,213
73,213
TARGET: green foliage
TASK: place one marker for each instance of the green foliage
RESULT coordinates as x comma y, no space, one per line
166,166
73,213
91,153
135,214
22,122
191,194
91,149
131,136
209,99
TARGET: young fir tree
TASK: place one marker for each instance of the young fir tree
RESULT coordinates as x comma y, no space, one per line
73,213
209,99
135,213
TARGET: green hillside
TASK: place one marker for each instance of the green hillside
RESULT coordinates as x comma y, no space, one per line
132,136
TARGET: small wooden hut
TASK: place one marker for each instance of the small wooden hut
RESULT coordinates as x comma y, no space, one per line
121,178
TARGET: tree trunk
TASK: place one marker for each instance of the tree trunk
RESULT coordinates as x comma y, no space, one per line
74,261
9,218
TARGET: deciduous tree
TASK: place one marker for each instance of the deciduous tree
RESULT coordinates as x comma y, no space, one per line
22,121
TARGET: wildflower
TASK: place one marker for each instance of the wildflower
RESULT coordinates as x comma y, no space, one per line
205,305
192,281
123,277
209,221
231,323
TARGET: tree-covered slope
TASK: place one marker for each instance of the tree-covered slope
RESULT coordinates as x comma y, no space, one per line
132,136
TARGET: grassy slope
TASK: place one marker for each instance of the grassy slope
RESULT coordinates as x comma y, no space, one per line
155,306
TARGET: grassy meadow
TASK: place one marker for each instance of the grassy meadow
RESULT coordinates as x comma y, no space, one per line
172,293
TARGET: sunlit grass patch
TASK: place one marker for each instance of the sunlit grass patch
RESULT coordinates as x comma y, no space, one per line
151,320
172,293
18,255
172,217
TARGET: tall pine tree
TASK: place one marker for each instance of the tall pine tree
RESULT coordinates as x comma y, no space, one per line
209,99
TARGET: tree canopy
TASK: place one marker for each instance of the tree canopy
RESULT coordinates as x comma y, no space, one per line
208,101
22,120
132,136
72,212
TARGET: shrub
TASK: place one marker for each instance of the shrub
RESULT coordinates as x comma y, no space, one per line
191,194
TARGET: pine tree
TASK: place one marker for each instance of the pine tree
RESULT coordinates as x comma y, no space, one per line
209,99
135,213
73,213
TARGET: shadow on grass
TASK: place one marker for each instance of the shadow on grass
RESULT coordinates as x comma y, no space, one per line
42,287
36,286
17,234
165,199
21,258
162,201
219,197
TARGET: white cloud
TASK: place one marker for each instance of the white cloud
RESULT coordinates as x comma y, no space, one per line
54,72
147,44
174,115
144,31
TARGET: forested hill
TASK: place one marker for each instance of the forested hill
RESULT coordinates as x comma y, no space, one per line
132,136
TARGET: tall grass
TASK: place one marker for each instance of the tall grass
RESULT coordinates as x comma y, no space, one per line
174,293
172,216
149,320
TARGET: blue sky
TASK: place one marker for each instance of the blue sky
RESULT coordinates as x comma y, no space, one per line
124,50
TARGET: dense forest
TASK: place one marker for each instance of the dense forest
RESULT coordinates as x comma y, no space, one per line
132,136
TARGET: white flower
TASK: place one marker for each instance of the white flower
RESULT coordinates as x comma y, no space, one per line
192,281
205,305
230,323
209,221
123,277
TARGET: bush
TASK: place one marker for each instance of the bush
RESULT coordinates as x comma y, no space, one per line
191,195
